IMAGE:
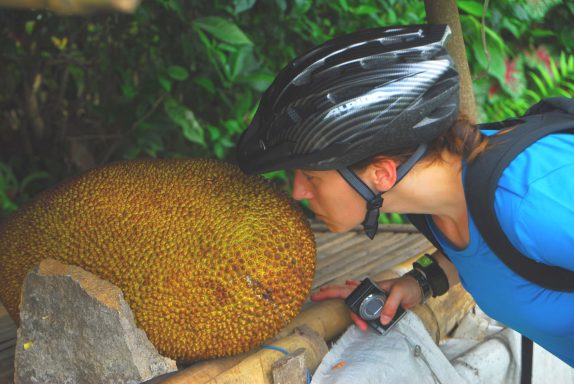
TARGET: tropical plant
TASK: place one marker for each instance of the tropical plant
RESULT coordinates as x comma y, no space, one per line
182,78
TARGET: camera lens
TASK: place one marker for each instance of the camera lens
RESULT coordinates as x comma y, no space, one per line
371,307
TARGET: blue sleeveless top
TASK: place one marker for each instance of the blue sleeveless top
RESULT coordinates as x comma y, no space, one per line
534,204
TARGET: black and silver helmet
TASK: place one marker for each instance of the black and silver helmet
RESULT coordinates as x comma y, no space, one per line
353,97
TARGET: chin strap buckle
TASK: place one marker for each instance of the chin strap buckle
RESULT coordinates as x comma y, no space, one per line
371,222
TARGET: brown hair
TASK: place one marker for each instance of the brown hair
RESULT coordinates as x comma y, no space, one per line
463,139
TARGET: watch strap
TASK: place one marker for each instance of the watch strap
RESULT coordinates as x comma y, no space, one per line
435,275
423,283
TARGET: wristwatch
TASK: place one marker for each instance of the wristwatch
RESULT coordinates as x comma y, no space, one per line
423,283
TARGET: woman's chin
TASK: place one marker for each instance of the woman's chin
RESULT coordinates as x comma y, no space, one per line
336,227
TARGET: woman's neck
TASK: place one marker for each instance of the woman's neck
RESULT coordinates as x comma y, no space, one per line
435,189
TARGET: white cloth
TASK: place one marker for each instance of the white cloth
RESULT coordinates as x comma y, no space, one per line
479,351
406,354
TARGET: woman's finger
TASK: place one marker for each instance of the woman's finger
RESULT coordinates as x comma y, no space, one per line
391,305
332,293
362,324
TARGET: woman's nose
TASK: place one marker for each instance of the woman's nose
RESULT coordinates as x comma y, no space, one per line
300,187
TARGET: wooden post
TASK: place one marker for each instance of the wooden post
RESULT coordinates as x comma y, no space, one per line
446,12
256,367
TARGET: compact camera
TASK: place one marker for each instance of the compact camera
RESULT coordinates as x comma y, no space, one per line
367,301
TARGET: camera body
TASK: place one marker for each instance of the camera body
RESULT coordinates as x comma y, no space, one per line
367,301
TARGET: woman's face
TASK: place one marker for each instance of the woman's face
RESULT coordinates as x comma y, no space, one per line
331,198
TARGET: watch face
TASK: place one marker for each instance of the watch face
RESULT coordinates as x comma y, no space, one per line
425,261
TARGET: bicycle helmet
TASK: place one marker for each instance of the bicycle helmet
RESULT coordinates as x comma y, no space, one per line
354,97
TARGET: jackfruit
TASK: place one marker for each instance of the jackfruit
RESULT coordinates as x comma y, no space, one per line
211,261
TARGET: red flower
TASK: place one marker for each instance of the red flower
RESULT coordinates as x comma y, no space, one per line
543,55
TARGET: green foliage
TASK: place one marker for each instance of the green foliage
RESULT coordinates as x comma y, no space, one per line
513,55
13,190
183,78
392,218
176,79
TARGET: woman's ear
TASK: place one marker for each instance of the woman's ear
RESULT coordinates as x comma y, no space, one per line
382,173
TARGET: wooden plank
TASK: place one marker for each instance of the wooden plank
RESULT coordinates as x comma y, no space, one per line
374,260
7,365
408,247
345,261
319,227
7,346
353,250
326,256
326,237
323,249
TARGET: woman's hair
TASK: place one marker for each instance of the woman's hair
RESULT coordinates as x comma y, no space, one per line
463,139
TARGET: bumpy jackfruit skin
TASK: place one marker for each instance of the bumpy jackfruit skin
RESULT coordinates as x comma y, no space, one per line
211,261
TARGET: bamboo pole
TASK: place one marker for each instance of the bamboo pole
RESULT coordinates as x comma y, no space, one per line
446,12
256,367
328,320
74,7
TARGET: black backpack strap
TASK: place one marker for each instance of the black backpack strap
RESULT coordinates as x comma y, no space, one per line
481,182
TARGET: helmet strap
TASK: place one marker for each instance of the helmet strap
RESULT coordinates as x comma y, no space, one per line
375,200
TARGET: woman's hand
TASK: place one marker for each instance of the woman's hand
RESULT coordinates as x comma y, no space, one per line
404,291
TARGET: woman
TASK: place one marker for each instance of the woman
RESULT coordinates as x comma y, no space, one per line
373,116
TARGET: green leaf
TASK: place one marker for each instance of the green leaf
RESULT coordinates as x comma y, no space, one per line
243,104
280,175
364,10
384,219
545,75
541,87
214,132
205,83
259,81
78,75
223,30
178,73
29,26
538,32
496,67
37,175
516,28
186,120
563,65
238,61
282,4
232,126
301,7
219,151
396,218
554,69
344,5
243,5
496,37
128,89
569,86
473,8
165,83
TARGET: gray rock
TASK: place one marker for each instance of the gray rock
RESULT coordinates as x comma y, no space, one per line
77,328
